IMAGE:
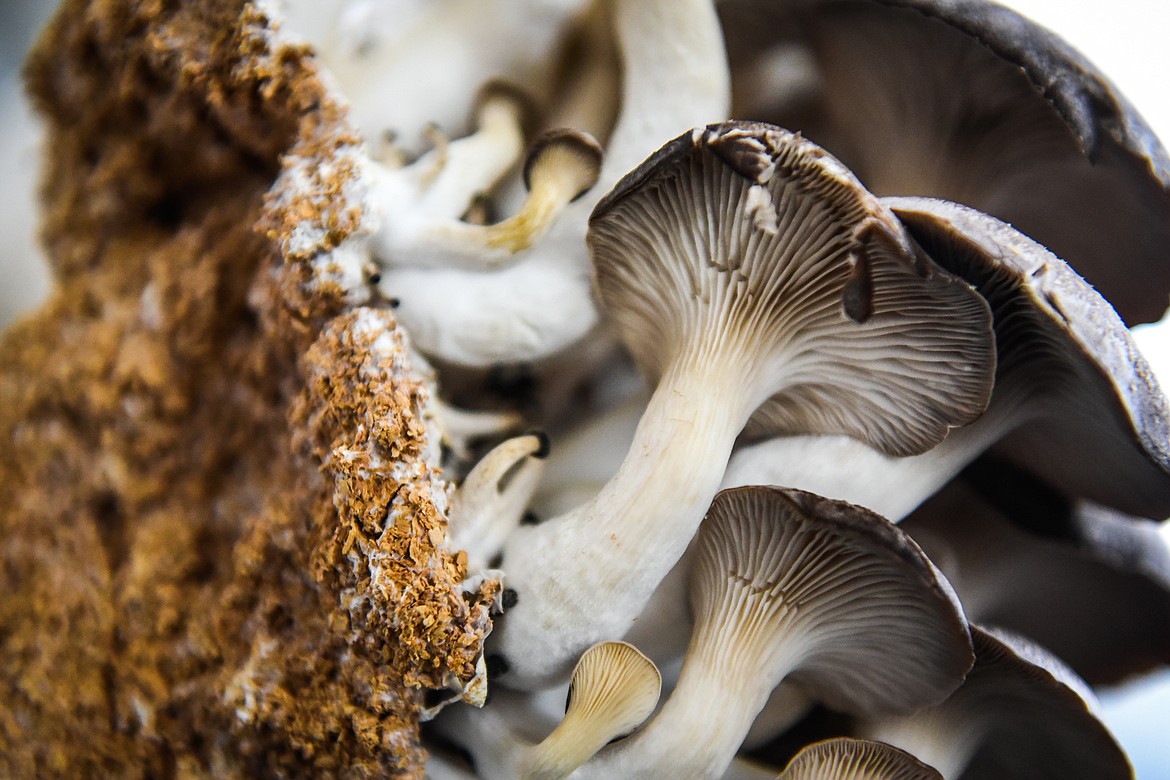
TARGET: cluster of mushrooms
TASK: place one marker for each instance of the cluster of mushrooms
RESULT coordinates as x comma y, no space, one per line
840,416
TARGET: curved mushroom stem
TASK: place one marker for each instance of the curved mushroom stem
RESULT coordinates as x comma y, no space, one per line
553,562
562,165
442,184
459,427
893,487
490,502
788,583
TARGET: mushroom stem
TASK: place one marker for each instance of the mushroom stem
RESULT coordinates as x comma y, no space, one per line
891,486
491,501
682,81
561,167
681,426
459,427
686,735
440,186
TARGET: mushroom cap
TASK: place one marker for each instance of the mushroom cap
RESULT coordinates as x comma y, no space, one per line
974,103
1042,718
1094,589
831,593
617,679
743,246
1097,425
574,155
845,758
614,689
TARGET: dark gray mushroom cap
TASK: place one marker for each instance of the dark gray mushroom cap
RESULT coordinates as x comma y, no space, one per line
1094,589
1093,421
1042,718
832,595
1021,713
969,101
745,249
845,758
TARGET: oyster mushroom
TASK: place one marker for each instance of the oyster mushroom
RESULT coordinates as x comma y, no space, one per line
844,758
491,500
1021,713
763,288
614,688
674,76
976,104
789,585
1070,383
561,166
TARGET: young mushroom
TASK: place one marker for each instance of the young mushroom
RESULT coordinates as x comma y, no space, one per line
1070,383
787,585
492,499
674,75
974,103
561,166
1021,713
846,758
762,287
614,688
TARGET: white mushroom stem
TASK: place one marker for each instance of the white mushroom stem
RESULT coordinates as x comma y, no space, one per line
440,186
493,497
459,427
892,487
562,166
674,76
623,542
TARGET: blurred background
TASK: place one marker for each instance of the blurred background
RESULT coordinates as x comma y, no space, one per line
1127,39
